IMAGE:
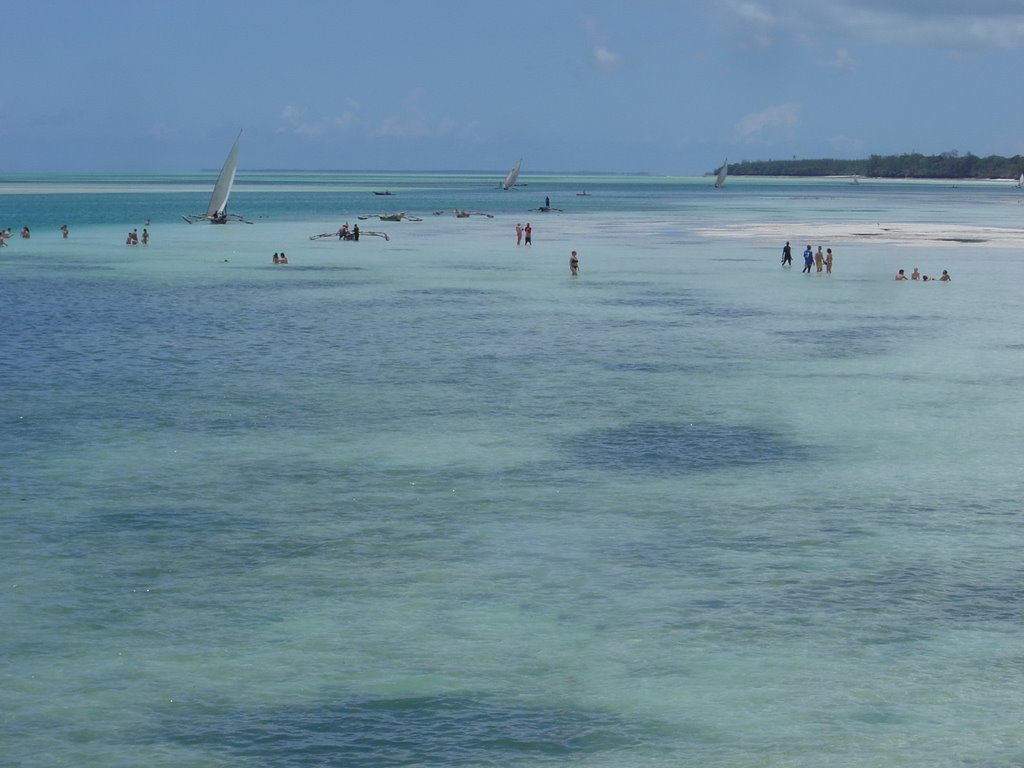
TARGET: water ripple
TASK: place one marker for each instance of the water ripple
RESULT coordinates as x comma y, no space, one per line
667,448
407,731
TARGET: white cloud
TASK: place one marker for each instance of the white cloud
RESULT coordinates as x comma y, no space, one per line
753,13
602,58
409,123
295,122
605,60
397,126
418,127
847,145
942,24
841,60
770,123
414,122
754,24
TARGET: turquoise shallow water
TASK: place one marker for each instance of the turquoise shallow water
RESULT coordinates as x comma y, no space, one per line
431,501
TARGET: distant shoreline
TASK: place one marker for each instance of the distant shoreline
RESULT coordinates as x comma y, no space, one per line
946,166
841,177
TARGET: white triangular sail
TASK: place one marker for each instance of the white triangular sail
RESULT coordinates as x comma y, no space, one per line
510,179
1020,181
722,173
222,189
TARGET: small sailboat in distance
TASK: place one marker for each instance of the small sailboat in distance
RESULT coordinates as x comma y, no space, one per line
510,179
217,210
722,173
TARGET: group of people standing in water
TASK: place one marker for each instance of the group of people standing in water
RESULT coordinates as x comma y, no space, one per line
820,259
916,275
7,234
26,233
133,237
823,261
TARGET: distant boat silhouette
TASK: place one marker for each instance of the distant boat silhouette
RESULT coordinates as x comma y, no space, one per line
510,179
722,173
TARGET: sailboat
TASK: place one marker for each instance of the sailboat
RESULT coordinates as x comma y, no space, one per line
510,179
1020,181
217,210
722,173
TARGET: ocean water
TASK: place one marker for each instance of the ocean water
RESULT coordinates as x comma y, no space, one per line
430,501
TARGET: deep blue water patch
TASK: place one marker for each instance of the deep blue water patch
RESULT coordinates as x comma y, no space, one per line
727,312
671,448
315,268
414,731
676,301
848,341
480,268
868,335
613,286
996,602
452,294
687,303
629,366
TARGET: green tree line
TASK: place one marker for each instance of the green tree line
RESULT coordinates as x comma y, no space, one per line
948,165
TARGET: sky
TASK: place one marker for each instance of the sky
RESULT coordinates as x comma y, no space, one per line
619,86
